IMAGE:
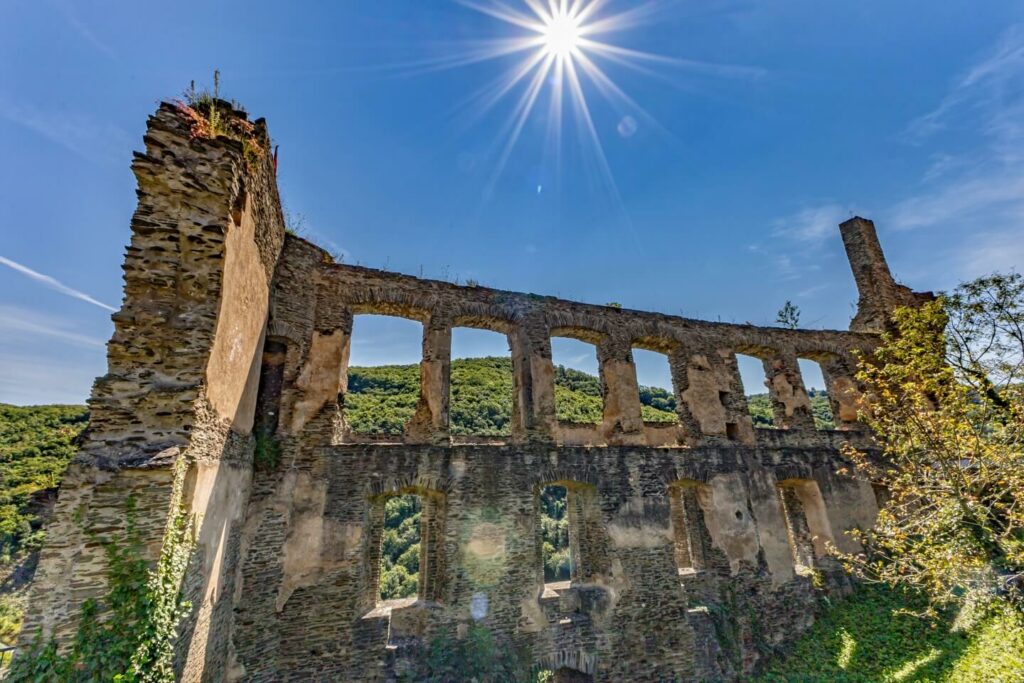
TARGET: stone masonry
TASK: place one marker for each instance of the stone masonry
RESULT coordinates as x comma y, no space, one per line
698,547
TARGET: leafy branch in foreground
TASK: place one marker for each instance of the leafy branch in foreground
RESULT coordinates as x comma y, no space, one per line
128,635
945,402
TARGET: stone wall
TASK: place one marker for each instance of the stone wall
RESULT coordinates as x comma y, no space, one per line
697,547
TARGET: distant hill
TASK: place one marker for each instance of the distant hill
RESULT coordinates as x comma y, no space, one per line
381,399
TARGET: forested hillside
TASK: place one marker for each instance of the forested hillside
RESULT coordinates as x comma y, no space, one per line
382,399
36,443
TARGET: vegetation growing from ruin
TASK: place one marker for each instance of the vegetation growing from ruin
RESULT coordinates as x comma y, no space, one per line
870,637
948,407
204,110
128,635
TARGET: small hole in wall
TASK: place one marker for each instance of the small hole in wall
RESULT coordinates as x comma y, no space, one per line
739,514
732,431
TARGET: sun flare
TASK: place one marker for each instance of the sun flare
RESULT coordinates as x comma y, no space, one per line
561,34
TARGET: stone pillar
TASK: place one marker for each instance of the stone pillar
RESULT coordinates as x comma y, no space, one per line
709,394
432,564
372,554
586,533
844,395
533,382
879,292
786,387
318,392
799,533
430,422
622,422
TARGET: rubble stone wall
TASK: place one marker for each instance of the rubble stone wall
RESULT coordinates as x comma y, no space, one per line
698,547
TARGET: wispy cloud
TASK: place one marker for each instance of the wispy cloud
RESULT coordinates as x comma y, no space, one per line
976,198
979,194
53,283
90,139
17,323
67,10
813,223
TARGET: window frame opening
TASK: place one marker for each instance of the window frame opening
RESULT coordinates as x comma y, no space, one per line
808,529
569,371
763,414
671,397
431,562
689,501
560,530
459,403
821,410
395,385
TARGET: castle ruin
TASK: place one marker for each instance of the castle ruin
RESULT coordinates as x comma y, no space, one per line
699,547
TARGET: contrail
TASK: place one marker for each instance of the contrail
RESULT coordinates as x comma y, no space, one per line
54,284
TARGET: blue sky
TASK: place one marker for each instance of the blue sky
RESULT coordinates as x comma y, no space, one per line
764,126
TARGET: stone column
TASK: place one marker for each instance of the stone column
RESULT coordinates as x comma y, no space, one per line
710,394
622,424
800,539
786,387
430,422
372,554
879,291
432,564
533,382
318,393
844,395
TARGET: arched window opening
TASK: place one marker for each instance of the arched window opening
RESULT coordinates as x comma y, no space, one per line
578,398
759,401
400,547
688,527
381,385
554,528
814,383
481,383
807,525
406,543
657,395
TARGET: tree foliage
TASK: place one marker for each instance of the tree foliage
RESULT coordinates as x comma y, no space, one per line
36,444
946,404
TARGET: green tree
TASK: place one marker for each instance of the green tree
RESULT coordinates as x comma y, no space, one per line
945,401
788,315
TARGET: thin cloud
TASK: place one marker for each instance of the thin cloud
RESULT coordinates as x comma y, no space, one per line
812,224
83,30
54,284
87,138
18,323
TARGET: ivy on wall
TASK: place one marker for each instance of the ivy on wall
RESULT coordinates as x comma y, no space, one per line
128,634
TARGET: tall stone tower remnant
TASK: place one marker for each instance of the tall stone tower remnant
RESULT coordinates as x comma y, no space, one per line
696,545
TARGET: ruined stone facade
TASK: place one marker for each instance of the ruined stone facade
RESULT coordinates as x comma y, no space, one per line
698,547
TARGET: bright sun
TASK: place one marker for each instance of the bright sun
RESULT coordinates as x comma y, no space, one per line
561,34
